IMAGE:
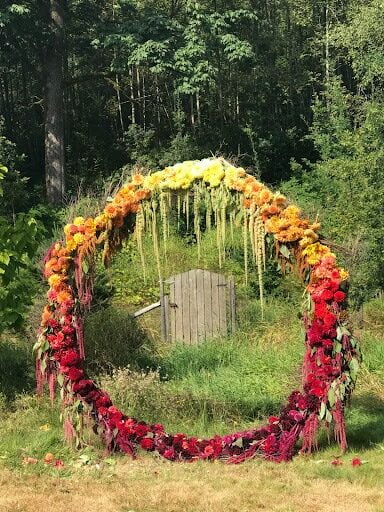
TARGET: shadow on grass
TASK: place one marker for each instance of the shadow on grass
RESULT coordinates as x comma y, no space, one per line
365,422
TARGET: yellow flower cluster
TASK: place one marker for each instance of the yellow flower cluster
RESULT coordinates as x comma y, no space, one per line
182,175
315,252
78,232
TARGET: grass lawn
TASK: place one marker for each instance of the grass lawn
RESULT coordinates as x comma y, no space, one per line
92,480
310,484
216,387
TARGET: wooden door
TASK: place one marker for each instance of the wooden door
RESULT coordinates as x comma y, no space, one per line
197,306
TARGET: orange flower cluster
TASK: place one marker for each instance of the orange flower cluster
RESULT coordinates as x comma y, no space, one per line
56,272
126,201
288,226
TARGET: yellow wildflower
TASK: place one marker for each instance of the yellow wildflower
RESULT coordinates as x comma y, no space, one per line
78,238
71,245
214,173
344,274
79,221
152,180
100,221
54,280
315,252
272,225
292,211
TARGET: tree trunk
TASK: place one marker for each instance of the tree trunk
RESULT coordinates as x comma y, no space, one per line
54,107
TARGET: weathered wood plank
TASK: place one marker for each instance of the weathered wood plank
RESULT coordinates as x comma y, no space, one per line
207,303
172,309
215,304
232,304
167,318
200,299
199,307
186,329
178,306
222,309
192,286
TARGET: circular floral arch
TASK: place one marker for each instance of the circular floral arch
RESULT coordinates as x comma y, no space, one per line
332,355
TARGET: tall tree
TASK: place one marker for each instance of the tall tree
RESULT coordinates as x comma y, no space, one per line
54,106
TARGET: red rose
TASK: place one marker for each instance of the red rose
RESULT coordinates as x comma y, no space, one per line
147,443
141,430
82,385
53,323
56,341
208,451
169,454
329,320
326,360
321,309
67,329
69,358
339,296
67,320
327,344
315,333
326,295
334,285
102,411
317,389
114,415
103,401
356,462
271,444
75,374
302,403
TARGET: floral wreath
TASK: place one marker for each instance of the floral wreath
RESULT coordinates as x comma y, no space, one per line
332,355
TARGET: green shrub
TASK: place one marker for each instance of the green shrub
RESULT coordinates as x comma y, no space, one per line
16,369
114,339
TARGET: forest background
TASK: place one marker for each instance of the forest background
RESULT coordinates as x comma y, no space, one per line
290,89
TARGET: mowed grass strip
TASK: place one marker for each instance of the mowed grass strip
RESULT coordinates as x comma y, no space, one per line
151,485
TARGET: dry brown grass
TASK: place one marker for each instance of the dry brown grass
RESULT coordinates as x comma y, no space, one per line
154,486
